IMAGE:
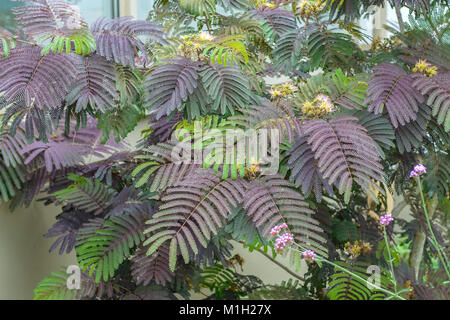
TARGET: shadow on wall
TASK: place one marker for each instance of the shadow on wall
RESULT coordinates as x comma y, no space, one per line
24,256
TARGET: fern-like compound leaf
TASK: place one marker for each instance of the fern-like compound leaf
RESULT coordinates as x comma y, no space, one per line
159,170
86,194
275,20
43,81
328,48
56,24
7,42
119,39
227,87
102,250
169,85
55,287
344,286
225,50
345,153
412,134
154,267
199,7
437,92
391,88
94,85
271,200
304,170
193,209
66,229
266,115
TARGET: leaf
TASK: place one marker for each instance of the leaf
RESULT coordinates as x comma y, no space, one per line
44,81
94,85
411,135
223,50
7,42
66,229
227,87
160,165
345,154
192,210
170,85
276,21
118,39
271,200
328,48
70,149
391,88
11,181
81,40
55,287
344,286
120,122
289,48
86,194
103,249
437,92
304,170
155,267
57,21
266,115
199,7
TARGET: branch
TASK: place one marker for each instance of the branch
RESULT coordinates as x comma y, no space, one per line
292,273
401,24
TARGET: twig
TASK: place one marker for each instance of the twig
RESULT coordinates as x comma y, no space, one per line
292,273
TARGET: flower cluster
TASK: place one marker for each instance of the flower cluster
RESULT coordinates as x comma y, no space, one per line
357,248
418,170
308,8
282,90
386,219
321,106
386,44
282,241
309,256
264,3
425,68
252,173
276,230
191,44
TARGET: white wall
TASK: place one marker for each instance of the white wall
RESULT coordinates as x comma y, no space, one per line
24,256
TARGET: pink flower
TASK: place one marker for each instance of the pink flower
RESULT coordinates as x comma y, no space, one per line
276,230
282,241
309,256
386,219
418,170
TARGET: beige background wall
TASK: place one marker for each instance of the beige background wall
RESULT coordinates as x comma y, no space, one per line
24,256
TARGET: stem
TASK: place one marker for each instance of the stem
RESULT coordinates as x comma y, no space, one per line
278,264
390,258
416,254
281,265
322,259
26,42
401,24
433,238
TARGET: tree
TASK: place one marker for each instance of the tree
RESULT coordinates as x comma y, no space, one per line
161,220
